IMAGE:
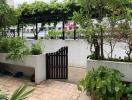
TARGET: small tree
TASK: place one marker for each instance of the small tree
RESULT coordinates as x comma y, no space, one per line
90,32
111,34
126,35
125,30
7,15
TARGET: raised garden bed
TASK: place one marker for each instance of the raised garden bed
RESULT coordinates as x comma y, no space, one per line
34,61
123,67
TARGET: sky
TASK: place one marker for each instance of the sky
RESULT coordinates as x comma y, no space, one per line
16,2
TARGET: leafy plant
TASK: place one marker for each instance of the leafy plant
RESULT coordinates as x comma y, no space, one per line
7,15
3,96
54,33
4,45
17,49
36,49
18,53
128,91
20,94
104,83
17,43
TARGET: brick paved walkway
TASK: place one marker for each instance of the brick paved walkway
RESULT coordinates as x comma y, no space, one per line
48,90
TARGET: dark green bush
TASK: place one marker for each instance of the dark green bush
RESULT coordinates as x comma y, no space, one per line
15,47
18,53
4,45
17,43
104,83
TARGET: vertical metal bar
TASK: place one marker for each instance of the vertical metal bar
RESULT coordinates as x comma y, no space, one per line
46,67
54,65
57,65
62,66
66,62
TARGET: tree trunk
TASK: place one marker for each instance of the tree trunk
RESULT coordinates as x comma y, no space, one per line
36,35
96,47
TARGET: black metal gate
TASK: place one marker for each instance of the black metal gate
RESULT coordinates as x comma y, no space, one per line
57,64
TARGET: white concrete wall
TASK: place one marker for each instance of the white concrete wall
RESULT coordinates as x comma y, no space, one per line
123,67
78,50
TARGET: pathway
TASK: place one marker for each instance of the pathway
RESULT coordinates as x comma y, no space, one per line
48,90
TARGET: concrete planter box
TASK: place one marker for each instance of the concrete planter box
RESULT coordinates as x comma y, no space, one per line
34,61
123,67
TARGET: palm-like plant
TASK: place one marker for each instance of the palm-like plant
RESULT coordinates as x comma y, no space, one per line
20,94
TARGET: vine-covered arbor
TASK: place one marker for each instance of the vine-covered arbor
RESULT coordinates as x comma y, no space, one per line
41,12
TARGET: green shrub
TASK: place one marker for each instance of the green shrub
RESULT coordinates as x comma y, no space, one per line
92,56
36,49
4,45
104,83
17,43
17,49
18,53
54,33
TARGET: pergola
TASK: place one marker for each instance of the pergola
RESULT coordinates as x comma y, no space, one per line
47,13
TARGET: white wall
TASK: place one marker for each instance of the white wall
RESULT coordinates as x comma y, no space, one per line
78,50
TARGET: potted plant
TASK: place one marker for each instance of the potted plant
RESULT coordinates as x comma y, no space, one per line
103,84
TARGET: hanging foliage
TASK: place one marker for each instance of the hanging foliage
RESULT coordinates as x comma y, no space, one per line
40,11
